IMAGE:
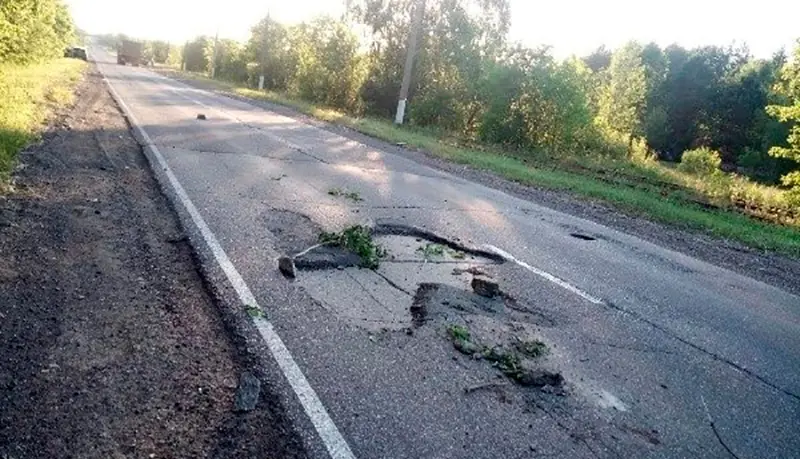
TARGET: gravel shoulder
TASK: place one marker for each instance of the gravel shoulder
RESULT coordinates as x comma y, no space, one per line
771,268
111,345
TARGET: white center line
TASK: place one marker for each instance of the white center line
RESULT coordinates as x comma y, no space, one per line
334,441
560,282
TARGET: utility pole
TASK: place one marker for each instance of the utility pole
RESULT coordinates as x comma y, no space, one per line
264,54
214,55
416,23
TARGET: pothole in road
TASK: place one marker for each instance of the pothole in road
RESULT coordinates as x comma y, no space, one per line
425,280
293,232
489,330
583,237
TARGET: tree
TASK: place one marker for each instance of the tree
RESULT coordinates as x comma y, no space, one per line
271,52
34,30
230,60
458,39
195,58
532,101
622,101
790,113
599,59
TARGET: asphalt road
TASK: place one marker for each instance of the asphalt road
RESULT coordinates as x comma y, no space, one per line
663,355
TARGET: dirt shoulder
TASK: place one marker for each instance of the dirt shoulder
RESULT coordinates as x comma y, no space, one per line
110,344
771,268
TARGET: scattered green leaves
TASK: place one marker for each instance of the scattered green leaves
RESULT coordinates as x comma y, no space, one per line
357,239
351,195
532,349
430,251
458,332
255,311
506,360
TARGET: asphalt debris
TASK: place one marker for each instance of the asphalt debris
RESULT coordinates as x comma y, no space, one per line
248,393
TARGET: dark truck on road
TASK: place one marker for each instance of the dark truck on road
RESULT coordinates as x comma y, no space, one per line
129,52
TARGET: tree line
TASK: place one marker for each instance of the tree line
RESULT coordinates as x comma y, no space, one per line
469,80
34,30
640,100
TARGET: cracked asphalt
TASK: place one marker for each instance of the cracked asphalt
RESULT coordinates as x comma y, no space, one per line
681,358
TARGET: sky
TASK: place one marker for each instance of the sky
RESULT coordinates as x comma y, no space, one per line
569,26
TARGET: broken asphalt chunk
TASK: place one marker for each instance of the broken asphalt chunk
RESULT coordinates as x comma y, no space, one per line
485,287
466,346
286,266
539,378
247,393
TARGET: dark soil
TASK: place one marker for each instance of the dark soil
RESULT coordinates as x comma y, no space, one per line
110,345
775,269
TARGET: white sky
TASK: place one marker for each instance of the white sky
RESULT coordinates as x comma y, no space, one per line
570,26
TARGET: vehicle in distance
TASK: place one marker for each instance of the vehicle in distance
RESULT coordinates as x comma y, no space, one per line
76,52
129,52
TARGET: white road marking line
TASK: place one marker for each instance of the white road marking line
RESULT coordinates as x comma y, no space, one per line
334,441
560,282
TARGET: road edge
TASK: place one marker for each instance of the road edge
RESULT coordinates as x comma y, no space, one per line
252,333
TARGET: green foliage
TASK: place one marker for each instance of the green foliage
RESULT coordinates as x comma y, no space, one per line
228,60
532,349
789,86
477,99
357,239
458,332
792,181
28,93
534,102
160,51
701,161
34,30
195,56
328,68
622,100
270,54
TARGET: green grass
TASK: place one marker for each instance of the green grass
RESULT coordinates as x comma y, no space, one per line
648,188
458,332
28,95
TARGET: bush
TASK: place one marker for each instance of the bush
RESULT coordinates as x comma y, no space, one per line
792,180
34,30
700,161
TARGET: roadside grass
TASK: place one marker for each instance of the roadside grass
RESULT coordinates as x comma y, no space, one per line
726,206
28,95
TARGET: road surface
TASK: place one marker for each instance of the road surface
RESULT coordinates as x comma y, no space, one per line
662,355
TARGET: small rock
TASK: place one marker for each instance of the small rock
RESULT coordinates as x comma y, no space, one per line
201,116
485,287
466,347
247,393
286,266
540,378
